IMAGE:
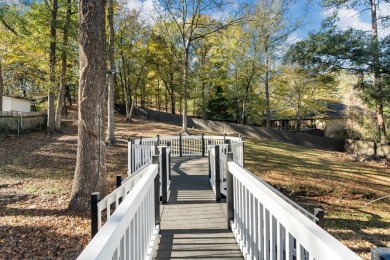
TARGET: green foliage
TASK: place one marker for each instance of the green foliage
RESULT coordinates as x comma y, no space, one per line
220,107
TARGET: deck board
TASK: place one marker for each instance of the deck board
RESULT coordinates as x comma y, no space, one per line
193,224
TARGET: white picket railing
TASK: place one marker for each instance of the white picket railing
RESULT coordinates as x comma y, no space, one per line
140,155
131,231
194,145
112,200
266,226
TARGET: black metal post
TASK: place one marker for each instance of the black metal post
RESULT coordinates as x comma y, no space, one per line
169,162
217,175
180,145
118,184
158,139
155,160
95,198
203,145
320,214
164,182
243,152
208,155
229,192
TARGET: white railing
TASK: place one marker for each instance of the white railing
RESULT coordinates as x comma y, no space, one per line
194,145
111,202
131,231
267,227
238,152
140,156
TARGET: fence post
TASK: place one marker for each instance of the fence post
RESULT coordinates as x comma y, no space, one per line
319,213
158,139
217,175
229,192
164,183
155,160
203,144
130,156
95,198
180,145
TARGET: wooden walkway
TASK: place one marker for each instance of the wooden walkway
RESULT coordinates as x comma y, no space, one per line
193,224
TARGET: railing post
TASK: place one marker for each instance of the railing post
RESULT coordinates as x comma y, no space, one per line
156,148
203,145
243,152
229,143
169,163
142,154
164,183
130,156
158,139
180,145
320,214
208,155
118,184
155,160
95,198
229,192
217,175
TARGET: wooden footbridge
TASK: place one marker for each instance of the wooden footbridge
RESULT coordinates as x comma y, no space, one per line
191,197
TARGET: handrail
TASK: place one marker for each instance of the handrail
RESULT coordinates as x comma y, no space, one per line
118,194
131,232
267,226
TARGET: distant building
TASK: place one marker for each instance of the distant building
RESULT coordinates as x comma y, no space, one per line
16,104
323,123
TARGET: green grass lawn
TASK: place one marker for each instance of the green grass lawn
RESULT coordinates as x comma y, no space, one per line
343,187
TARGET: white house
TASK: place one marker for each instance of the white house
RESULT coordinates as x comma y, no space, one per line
15,104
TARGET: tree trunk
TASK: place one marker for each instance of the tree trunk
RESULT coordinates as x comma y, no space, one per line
52,64
377,74
266,86
90,173
185,88
61,95
1,87
111,83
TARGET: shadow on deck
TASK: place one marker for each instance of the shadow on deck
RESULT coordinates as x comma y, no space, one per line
193,224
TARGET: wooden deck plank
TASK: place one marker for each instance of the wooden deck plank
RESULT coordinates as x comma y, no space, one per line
193,224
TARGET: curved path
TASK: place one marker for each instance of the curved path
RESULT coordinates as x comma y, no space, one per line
193,224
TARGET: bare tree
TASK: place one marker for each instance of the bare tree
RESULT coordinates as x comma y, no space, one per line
90,173
188,16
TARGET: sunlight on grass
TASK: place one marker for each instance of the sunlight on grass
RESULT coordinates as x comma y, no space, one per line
331,179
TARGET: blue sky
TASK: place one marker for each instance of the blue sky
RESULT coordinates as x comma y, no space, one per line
347,18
